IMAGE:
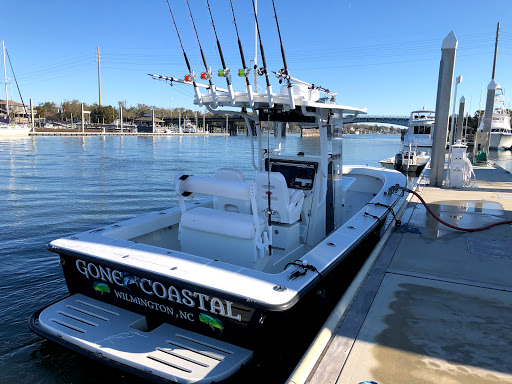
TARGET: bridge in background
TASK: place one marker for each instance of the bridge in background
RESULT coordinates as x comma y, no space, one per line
395,120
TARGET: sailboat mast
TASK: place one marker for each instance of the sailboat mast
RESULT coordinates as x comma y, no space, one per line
495,51
5,77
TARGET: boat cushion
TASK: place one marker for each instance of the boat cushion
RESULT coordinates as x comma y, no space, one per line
232,224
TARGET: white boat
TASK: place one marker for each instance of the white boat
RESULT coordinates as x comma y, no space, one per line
501,133
14,130
193,293
420,129
188,127
8,129
407,160
199,289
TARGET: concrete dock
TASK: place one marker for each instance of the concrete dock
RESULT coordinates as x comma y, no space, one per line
435,306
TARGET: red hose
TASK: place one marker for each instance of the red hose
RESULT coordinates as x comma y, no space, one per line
453,226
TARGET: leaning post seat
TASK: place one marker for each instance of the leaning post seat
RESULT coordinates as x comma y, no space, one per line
233,237
286,203
226,204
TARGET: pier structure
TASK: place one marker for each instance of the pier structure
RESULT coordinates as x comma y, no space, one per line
431,304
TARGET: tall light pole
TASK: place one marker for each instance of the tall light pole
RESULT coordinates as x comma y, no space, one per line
99,76
458,80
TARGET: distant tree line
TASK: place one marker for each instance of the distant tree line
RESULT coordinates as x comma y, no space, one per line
106,113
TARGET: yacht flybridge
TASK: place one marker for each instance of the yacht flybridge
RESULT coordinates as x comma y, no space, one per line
501,133
421,129
195,293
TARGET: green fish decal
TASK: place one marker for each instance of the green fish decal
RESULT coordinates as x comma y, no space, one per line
101,287
212,322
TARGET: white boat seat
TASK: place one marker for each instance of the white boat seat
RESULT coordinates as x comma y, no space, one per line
286,203
225,223
232,237
225,236
225,203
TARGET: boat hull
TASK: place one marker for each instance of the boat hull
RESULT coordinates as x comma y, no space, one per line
262,331
500,141
14,132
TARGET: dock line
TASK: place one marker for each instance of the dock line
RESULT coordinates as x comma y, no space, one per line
315,350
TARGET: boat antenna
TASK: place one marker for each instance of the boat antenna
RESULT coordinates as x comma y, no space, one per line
262,71
224,72
495,51
245,71
207,75
284,71
191,77
16,81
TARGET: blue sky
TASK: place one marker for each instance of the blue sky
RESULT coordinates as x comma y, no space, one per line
383,55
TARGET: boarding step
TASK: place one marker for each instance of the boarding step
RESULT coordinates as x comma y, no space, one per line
167,351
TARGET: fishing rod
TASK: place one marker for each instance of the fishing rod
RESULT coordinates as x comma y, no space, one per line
185,81
285,69
262,71
191,76
245,71
281,75
224,72
207,75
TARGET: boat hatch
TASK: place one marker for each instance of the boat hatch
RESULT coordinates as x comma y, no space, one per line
118,335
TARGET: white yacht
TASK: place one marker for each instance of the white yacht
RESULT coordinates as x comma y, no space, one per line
501,133
421,128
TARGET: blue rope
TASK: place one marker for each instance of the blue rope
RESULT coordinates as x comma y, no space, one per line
369,382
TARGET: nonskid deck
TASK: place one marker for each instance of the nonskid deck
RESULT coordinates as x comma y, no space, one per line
119,336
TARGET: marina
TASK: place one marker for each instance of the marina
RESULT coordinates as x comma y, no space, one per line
262,228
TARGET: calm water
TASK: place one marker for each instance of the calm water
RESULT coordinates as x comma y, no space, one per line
55,186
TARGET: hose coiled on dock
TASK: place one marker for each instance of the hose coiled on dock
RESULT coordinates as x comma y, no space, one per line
448,224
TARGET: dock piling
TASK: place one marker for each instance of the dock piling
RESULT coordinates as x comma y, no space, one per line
444,93
32,115
153,120
82,108
489,109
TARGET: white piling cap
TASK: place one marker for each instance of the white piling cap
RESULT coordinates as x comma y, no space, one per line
462,99
492,85
450,41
